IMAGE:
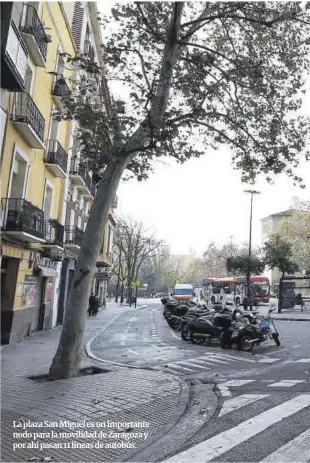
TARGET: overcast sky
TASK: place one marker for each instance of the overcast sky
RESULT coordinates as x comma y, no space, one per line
193,204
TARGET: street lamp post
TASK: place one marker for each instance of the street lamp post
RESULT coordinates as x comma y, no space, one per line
252,192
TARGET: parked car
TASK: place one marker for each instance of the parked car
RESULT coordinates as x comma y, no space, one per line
159,295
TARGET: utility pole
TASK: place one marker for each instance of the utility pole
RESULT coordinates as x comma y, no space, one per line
248,276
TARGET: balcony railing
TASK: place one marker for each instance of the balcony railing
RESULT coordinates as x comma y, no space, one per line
55,154
15,56
20,215
54,233
25,110
76,168
34,27
73,235
61,88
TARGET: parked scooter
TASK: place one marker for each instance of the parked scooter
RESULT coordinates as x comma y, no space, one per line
259,330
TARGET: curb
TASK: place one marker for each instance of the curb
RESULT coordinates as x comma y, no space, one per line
179,412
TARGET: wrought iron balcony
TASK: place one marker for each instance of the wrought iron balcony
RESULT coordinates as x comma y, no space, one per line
14,53
80,177
56,158
23,220
34,36
28,120
60,92
73,236
54,233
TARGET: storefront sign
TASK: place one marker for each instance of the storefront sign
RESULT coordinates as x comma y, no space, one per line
29,292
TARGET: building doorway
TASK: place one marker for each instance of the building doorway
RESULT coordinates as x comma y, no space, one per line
9,272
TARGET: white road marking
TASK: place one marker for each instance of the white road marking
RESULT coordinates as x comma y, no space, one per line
240,401
268,360
224,390
227,357
237,382
297,450
287,383
302,361
198,364
122,343
215,360
134,352
227,440
175,366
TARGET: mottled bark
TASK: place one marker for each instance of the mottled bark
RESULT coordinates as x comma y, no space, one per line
68,355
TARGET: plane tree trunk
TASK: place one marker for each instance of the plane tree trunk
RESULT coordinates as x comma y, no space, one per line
68,355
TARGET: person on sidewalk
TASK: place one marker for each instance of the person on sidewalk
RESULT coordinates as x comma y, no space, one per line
91,305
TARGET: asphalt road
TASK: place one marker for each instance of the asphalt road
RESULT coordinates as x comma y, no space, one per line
264,397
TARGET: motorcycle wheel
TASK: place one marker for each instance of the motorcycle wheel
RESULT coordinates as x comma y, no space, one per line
244,344
185,335
196,340
225,344
276,339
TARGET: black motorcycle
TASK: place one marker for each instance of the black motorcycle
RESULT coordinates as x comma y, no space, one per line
213,327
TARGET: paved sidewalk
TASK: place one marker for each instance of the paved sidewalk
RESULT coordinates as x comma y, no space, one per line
289,314
125,401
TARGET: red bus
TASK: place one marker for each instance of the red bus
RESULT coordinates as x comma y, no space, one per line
260,289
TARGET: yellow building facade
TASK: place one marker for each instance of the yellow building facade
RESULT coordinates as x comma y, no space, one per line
46,190
34,162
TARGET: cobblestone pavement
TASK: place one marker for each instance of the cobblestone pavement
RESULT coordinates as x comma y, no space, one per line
118,400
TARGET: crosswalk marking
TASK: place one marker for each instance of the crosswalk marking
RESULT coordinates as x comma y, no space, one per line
287,383
227,440
302,361
268,360
215,360
175,366
237,382
227,357
240,401
194,363
297,450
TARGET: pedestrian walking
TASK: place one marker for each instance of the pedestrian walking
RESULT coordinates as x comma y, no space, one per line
91,304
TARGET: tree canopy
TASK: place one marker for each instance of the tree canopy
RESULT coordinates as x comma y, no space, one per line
296,231
195,75
278,254
245,265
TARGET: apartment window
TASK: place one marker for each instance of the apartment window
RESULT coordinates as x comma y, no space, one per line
19,177
48,199
54,128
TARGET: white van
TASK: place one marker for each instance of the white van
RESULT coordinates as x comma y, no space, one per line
183,291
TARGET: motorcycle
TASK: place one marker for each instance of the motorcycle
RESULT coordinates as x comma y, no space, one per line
259,330
210,327
191,316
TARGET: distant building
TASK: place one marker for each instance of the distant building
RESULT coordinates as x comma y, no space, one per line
270,225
